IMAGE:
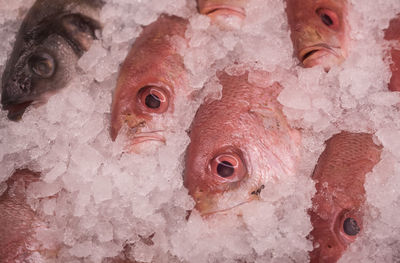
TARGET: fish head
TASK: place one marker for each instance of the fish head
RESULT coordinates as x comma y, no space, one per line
45,53
226,13
238,143
337,215
152,75
319,31
393,33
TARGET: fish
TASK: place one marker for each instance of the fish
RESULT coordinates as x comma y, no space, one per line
319,31
18,222
53,36
226,13
151,79
238,144
336,214
393,33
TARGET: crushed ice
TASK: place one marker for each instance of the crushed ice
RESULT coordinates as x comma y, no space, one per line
99,201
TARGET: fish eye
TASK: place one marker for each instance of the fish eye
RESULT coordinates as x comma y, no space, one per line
153,99
228,167
328,17
42,65
350,226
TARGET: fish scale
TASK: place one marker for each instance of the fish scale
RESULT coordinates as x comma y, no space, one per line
393,33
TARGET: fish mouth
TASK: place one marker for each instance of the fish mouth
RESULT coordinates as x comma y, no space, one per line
141,137
223,10
15,111
313,55
209,209
221,211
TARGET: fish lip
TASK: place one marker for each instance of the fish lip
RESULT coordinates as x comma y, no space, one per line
224,10
16,110
140,137
314,52
214,212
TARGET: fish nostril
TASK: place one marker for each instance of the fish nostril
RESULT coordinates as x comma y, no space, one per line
258,191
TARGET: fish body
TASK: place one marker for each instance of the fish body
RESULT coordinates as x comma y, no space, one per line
18,222
226,13
238,143
319,31
52,37
337,213
393,33
152,76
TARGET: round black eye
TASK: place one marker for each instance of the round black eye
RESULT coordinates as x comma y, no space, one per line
326,19
152,101
350,226
42,65
225,169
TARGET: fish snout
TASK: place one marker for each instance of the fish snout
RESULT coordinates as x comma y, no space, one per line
319,54
130,120
15,97
327,249
15,90
327,255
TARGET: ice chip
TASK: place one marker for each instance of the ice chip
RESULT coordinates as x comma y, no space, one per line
295,98
92,56
81,250
102,189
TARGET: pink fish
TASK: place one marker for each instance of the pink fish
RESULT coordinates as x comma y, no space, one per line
337,213
237,144
151,77
223,12
319,31
393,33
18,221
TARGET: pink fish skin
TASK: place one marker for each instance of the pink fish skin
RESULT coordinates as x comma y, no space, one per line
339,178
18,221
222,11
319,31
393,33
237,144
151,76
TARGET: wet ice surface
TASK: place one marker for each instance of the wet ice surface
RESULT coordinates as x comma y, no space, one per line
99,200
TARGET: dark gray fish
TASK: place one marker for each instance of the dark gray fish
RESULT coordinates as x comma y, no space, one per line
52,37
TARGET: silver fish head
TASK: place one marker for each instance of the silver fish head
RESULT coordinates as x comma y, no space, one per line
46,50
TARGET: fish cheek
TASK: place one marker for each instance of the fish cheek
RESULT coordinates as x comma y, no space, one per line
64,60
